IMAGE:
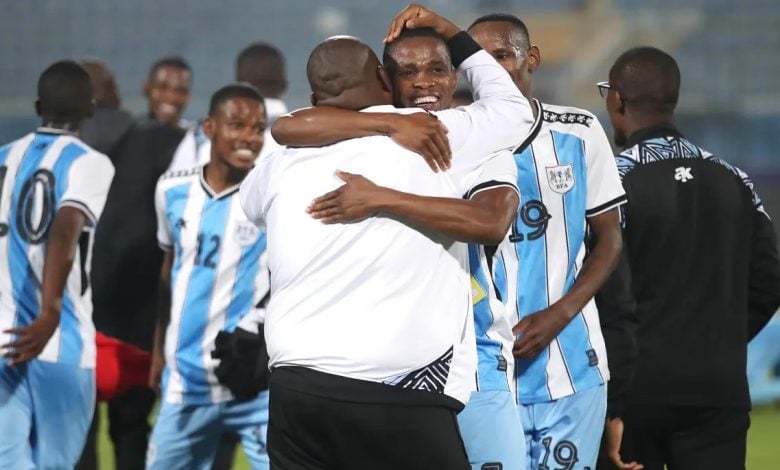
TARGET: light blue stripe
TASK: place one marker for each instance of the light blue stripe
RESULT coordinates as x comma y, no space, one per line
488,350
25,284
175,203
574,338
532,294
61,168
197,300
71,342
243,296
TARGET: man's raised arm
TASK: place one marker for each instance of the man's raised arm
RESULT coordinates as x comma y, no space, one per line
498,119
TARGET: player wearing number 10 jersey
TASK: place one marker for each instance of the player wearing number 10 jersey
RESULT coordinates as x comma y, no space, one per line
570,189
52,190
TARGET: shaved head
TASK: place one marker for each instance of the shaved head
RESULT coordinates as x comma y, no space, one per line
346,73
262,65
647,78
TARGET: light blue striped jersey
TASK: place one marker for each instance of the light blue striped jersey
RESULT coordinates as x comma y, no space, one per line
219,275
495,368
39,174
566,173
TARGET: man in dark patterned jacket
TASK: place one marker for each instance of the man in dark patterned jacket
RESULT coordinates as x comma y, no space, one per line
702,265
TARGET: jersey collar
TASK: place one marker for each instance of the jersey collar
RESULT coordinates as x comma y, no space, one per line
535,128
53,130
653,132
213,194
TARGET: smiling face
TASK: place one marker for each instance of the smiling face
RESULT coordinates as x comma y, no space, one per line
168,91
422,74
236,132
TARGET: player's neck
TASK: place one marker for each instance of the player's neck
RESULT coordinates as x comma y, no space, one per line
534,107
645,121
69,127
220,176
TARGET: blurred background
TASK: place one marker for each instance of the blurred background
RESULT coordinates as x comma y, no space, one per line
727,51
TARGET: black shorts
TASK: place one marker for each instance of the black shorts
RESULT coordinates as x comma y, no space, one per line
314,432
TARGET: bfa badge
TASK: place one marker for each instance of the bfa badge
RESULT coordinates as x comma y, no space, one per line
561,178
245,233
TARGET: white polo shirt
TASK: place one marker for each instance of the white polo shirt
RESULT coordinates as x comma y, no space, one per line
378,300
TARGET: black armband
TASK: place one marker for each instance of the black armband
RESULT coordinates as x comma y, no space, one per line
461,47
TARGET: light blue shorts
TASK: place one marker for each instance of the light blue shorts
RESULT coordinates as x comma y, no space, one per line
186,436
45,412
492,432
763,360
565,433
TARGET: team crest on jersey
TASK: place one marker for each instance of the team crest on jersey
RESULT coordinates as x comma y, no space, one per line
561,178
245,233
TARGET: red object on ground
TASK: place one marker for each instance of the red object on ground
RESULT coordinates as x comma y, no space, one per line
120,366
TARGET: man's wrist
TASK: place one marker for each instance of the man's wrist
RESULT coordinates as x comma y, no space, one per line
51,313
389,123
384,201
447,29
461,47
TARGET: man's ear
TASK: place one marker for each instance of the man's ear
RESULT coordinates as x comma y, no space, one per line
622,102
38,109
313,99
534,58
146,88
209,127
384,78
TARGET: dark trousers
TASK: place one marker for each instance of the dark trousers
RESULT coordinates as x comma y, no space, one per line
315,433
685,438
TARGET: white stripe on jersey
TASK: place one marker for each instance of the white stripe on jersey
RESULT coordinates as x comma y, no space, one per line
49,168
7,302
174,389
51,352
217,316
215,251
559,382
565,170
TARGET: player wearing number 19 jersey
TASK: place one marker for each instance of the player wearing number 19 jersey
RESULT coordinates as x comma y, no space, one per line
52,191
215,265
571,190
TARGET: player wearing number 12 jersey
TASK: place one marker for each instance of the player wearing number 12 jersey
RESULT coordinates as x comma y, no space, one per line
215,274
52,191
571,189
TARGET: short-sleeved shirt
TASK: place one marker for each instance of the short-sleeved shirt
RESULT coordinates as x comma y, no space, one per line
39,174
378,300
493,330
566,173
219,276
